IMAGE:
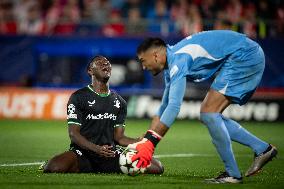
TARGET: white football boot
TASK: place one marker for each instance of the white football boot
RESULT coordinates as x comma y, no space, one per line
224,178
261,160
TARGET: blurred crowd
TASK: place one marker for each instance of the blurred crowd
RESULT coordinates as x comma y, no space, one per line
112,18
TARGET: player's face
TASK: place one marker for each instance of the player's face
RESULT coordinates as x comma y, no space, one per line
102,69
150,61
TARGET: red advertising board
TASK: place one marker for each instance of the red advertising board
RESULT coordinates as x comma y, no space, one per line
25,103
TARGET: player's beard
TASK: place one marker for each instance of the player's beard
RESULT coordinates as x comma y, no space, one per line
105,79
101,79
155,72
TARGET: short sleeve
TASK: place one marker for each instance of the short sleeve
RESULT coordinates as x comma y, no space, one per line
74,114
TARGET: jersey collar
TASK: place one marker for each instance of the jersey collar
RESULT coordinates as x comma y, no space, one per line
102,94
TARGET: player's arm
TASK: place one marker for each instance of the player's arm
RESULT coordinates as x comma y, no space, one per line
165,98
120,137
160,126
163,106
77,138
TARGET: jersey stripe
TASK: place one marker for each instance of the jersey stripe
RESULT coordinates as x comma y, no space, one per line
119,125
196,51
72,122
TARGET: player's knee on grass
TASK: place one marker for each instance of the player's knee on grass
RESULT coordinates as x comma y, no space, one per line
155,168
54,167
63,163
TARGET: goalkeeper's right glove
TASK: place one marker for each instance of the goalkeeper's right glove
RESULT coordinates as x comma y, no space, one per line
145,149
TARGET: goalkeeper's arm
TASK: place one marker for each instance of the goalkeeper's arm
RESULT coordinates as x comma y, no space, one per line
159,126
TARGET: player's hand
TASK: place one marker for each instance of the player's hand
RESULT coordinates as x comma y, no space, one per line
104,151
140,138
145,150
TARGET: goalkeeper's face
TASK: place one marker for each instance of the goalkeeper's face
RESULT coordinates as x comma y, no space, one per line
152,60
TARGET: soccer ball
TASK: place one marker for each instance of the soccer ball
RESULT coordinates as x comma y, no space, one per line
126,165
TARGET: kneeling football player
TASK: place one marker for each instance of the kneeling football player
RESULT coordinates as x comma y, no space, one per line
96,120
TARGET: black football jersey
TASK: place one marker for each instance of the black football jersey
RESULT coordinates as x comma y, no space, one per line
96,115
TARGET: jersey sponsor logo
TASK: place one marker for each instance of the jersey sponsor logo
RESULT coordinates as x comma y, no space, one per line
173,71
91,103
102,116
196,51
116,103
71,111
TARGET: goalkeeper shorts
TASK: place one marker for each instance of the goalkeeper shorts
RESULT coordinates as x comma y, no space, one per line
240,74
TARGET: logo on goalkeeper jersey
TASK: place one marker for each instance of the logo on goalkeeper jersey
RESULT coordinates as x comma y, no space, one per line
173,71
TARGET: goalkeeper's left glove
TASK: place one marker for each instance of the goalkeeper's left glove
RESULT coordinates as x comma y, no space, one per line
145,148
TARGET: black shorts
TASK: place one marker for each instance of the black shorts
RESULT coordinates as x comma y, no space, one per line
89,162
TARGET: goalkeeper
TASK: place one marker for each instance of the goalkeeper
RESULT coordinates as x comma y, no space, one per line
96,118
238,64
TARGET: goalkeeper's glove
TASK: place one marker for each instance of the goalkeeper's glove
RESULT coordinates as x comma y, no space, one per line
145,148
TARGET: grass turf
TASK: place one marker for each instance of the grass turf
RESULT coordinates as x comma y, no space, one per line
25,141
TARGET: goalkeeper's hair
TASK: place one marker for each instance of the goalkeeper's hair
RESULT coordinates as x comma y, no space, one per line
151,42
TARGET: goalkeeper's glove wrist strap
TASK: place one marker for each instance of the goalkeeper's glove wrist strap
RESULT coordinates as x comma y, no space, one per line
153,137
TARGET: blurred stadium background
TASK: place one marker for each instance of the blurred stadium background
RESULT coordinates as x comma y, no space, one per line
45,46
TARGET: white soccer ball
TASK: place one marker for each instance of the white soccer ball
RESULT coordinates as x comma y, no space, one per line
126,165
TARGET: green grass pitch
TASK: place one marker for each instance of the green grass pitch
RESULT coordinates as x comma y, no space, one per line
186,153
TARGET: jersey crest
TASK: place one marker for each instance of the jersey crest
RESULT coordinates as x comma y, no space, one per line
116,103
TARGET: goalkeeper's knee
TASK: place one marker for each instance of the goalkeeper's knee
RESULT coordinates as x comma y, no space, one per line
209,118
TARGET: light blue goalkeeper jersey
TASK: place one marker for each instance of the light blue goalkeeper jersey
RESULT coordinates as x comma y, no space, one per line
197,58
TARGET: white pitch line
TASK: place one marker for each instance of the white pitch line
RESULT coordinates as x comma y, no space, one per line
182,155
157,156
19,164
